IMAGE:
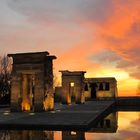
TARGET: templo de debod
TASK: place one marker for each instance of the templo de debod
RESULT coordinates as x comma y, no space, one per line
72,86
32,82
76,88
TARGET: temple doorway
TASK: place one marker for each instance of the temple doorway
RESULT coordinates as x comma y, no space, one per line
72,91
73,87
27,92
93,87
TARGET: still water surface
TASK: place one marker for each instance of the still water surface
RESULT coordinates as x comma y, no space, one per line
116,126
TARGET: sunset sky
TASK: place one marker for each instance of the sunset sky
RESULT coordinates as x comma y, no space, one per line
101,37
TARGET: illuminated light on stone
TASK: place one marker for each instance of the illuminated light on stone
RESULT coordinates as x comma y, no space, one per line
6,113
53,112
102,87
72,84
32,76
73,133
48,103
58,110
31,113
68,99
25,105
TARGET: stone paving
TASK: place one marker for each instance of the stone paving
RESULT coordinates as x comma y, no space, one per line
68,117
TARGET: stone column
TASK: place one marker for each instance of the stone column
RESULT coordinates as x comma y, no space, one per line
16,93
48,98
104,84
39,92
82,88
79,90
24,87
49,93
31,90
66,97
113,89
25,93
27,135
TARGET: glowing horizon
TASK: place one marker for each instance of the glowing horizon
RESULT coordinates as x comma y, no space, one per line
100,37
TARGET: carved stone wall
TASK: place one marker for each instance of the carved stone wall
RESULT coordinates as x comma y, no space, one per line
101,87
72,82
32,82
31,135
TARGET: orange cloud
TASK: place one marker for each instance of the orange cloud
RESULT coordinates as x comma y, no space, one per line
120,32
99,36
76,58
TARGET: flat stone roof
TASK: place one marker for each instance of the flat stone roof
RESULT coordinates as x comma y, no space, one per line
31,57
72,73
29,53
101,79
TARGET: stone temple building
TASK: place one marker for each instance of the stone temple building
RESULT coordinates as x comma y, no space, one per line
100,88
32,82
76,88
72,86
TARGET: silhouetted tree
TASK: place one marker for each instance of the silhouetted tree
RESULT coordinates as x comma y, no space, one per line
56,81
5,74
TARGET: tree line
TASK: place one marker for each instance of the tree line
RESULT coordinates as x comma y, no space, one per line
5,76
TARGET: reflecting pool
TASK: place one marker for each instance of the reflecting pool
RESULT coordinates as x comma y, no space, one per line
128,128
116,126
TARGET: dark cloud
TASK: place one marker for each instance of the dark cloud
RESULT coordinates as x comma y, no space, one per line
63,10
125,64
96,11
136,73
105,56
45,10
130,53
131,67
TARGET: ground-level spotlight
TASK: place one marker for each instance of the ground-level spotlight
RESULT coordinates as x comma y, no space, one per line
31,113
6,113
52,111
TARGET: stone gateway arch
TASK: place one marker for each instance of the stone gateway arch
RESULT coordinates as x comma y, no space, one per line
32,82
72,86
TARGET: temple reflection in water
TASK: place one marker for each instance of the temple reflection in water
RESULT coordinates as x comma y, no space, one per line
73,135
27,135
107,125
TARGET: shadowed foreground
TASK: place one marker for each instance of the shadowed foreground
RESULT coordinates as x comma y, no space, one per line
75,117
